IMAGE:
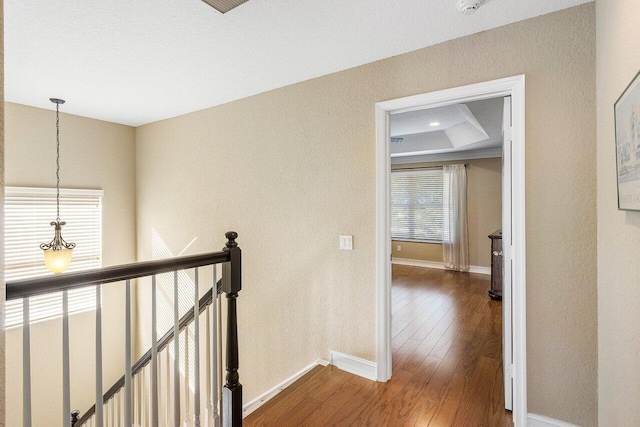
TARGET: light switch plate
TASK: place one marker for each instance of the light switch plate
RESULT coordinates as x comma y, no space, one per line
346,243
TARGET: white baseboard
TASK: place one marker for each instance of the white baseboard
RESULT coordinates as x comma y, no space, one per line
534,420
254,404
480,270
439,265
354,365
418,263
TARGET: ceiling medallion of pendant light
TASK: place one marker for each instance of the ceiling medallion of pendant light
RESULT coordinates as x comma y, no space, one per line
57,253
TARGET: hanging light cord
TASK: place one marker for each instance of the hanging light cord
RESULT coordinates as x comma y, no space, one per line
58,162
58,243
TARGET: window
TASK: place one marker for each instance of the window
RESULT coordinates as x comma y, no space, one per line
28,213
416,206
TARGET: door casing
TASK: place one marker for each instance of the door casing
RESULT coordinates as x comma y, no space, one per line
510,86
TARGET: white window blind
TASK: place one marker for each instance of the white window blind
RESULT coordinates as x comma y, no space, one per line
416,206
28,214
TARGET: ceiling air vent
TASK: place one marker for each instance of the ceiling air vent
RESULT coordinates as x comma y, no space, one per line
224,6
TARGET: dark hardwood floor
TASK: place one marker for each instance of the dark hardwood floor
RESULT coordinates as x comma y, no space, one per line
447,364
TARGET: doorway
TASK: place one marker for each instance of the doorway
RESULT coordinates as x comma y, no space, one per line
514,324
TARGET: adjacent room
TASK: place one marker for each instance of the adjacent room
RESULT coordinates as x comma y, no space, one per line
447,276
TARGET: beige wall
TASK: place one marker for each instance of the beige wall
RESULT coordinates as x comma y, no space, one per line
2,282
292,169
484,208
94,154
417,251
618,44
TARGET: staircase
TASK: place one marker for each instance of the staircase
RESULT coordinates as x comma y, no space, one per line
178,381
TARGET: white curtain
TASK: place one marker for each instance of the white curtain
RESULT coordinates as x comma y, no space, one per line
455,232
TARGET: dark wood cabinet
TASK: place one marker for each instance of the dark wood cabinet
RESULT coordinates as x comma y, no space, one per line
496,266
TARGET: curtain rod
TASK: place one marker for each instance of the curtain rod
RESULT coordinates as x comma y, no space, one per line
417,168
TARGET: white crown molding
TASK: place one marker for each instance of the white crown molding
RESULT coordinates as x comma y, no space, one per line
445,157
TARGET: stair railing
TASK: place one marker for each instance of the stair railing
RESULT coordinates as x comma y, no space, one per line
127,408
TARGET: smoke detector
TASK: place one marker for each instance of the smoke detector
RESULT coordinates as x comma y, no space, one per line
468,6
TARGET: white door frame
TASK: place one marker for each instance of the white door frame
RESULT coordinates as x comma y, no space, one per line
511,86
507,264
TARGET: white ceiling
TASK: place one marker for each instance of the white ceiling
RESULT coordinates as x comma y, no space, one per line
139,61
463,127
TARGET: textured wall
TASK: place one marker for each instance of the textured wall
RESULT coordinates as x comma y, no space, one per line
2,283
484,208
618,231
93,154
292,169
417,251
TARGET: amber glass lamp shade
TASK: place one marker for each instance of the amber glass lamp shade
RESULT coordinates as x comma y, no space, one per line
57,253
57,261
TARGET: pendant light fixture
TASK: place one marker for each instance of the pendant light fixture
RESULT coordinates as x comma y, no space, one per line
57,253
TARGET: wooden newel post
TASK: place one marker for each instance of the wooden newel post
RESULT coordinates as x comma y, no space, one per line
231,285
75,416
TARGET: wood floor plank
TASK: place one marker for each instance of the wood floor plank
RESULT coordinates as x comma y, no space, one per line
378,411
352,409
476,403
447,364
403,354
442,314
333,404
472,353
407,399
493,347
285,406
451,401
284,393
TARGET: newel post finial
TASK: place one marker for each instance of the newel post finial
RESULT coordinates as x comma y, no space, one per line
231,239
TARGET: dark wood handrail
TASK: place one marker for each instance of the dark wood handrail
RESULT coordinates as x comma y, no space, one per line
185,321
230,284
62,282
